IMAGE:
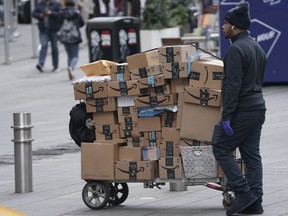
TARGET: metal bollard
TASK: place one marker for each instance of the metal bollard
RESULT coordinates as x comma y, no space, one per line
178,186
22,152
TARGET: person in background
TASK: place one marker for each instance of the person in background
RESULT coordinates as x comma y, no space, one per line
243,113
47,14
83,6
72,13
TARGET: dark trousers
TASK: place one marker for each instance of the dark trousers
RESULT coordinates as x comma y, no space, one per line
247,128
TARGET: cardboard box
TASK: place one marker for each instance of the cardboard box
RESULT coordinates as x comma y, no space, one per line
169,119
127,153
97,68
142,60
177,53
156,100
149,124
121,142
83,91
93,156
120,72
152,81
169,148
102,118
126,101
157,90
122,88
206,73
144,72
107,132
202,96
178,85
198,121
101,105
127,114
136,170
129,129
150,153
170,168
198,162
175,70
180,108
170,134
150,139
134,141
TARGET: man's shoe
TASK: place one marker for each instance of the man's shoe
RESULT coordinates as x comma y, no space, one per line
39,68
255,208
55,70
241,202
70,74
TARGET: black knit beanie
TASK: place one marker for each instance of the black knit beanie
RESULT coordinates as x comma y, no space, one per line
239,16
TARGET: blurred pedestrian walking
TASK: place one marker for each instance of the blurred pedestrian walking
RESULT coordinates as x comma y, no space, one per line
47,14
72,21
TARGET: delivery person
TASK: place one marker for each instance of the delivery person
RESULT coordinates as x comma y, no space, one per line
243,112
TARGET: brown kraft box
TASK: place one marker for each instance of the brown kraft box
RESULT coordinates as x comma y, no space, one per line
127,114
127,153
175,70
169,148
120,72
170,168
101,118
202,96
206,73
106,132
155,100
143,59
152,81
177,53
83,91
92,157
122,88
144,72
198,121
101,105
136,170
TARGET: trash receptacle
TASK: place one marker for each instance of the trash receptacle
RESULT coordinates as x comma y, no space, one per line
113,38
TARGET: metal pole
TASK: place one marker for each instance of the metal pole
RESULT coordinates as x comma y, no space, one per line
22,152
178,186
34,31
7,29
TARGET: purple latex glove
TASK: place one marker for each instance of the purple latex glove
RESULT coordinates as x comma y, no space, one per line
227,128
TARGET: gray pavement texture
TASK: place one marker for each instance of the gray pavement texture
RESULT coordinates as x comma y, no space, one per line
57,185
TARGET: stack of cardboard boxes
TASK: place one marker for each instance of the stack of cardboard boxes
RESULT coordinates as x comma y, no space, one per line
129,147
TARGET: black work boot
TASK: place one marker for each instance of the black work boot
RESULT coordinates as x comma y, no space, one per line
255,208
241,202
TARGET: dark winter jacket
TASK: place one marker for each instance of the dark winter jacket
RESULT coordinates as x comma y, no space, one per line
244,68
72,13
52,24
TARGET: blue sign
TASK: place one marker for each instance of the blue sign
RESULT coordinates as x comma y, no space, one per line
270,29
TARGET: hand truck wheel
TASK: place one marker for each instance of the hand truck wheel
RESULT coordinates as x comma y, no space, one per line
118,193
228,199
96,194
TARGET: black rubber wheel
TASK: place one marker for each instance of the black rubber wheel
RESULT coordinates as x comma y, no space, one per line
96,194
118,193
227,201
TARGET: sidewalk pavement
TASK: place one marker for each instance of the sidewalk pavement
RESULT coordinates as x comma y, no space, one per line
57,184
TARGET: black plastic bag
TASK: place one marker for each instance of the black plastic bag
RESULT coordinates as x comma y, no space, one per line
81,125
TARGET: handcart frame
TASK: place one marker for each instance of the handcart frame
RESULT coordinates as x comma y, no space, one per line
96,194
